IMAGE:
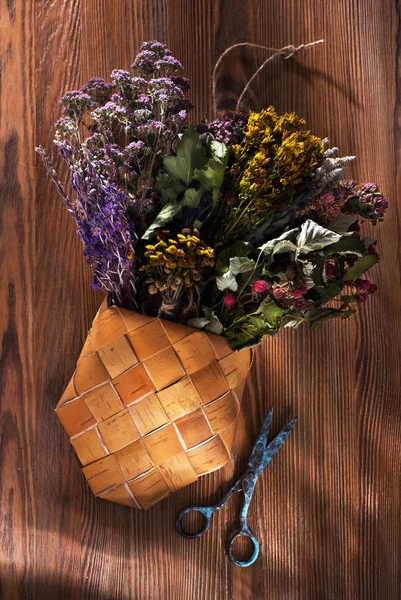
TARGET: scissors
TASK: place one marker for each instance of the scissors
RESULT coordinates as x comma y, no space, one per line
261,455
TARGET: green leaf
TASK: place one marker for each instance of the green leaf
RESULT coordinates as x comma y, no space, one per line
308,269
294,322
314,237
320,315
198,322
211,176
269,246
239,312
226,281
191,198
219,150
315,294
368,241
241,264
197,224
284,246
333,288
342,223
257,322
271,312
318,273
167,213
242,340
168,187
214,325
361,266
190,155
236,250
215,196
249,332
348,244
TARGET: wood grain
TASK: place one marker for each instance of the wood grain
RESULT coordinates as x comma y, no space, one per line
328,510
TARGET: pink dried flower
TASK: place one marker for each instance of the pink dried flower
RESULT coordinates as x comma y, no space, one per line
278,292
355,227
259,286
363,289
229,300
329,269
284,292
345,189
363,285
368,202
326,207
297,293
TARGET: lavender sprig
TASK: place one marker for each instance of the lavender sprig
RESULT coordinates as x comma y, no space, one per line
113,137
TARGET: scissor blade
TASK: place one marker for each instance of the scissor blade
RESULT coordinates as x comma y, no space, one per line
274,446
259,448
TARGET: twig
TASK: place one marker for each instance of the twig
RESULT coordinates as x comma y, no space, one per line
285,53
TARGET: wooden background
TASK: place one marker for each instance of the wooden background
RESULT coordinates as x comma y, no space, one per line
328,508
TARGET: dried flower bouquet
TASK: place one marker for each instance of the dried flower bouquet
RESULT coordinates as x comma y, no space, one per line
237,227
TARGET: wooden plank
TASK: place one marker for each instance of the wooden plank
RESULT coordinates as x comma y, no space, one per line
328,509
18,517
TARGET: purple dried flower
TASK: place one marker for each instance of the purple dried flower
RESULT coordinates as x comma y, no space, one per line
143,207
150,128
157,47
368,188
182,82
113,168
121,78
155,56
325,208
369,195
98,90
229,127
137,148
178,120
94,141
66,125
139,82
76,103
127,90
168,63
145,61
167,86
142,115
144,101
111,111
107,235
368,202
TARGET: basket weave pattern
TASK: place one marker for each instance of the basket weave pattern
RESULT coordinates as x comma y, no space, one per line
151,406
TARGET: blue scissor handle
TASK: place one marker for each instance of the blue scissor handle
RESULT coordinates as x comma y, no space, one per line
206,511
244,532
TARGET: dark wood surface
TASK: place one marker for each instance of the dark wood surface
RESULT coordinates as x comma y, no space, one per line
328,508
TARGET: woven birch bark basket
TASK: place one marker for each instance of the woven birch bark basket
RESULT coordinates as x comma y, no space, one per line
152,405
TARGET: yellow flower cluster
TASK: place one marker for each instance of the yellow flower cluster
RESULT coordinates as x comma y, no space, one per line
274,156
178,261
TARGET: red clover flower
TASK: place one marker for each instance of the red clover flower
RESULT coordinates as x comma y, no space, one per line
229,300
259,286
